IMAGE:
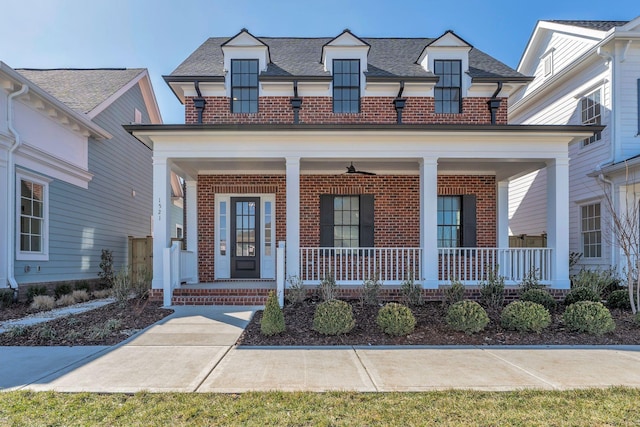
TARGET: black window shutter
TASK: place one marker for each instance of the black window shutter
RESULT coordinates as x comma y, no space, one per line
326,221
366,221
469,221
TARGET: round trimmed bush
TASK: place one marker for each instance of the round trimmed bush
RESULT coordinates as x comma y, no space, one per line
467,316
539,296
590,317
581,293
333,317
525,316
619,299
396,319
272,322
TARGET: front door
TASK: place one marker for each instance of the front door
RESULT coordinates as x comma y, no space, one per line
245,237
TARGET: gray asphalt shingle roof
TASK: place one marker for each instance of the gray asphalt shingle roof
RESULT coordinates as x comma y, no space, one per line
300,57
81,89
594,25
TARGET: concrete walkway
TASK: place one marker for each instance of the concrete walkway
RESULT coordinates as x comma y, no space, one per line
193,351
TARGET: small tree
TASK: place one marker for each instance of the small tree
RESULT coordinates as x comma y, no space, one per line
106,272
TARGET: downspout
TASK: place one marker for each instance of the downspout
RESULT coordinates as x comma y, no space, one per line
199,102
12,283
399,103
612,115
494,104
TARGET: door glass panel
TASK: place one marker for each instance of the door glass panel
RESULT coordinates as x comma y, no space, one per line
245,229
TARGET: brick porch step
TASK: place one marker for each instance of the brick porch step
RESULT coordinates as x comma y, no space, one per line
220,296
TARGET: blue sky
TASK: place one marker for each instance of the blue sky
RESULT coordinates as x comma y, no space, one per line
160,34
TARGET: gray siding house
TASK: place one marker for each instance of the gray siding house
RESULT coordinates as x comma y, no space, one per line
113,199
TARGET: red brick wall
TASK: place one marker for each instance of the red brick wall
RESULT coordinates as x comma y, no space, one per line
396,206
319,110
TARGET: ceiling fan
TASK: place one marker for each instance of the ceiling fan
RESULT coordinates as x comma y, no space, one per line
352,169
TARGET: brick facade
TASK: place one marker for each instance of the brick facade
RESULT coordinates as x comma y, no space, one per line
396,206
319,110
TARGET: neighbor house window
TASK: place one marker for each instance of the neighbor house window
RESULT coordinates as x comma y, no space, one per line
590,108
346,221
32,216
591,232
346,86
456,221
244,85
448,90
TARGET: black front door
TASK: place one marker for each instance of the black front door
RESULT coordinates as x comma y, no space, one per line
245,237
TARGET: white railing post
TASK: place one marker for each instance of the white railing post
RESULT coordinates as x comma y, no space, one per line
167,293
280,272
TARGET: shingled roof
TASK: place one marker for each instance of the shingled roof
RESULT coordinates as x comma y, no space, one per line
81,89
593,25
300,57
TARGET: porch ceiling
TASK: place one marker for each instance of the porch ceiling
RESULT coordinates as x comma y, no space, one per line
503,169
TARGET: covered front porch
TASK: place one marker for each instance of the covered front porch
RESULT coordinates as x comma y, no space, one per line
270,183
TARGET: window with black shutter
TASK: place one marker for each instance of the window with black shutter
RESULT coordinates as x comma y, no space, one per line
346,221
457,221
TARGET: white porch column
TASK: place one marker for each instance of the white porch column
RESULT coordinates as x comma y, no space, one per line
429,221
503,214
558,221
192,222
161,218
292,246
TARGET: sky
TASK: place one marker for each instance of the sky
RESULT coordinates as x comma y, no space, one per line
160,34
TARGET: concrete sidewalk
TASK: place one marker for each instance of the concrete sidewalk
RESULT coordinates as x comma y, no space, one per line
193,351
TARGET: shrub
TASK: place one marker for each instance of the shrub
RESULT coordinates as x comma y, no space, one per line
106,272
370,291
581,294
47,331
296,292
17,331
590,317
540,296
102,331
80,295
83,285
636,318
619,299
467,316
121,289
454,293
102,293
525,316
531,281
597,280
411,292
396,319
62,289
492,291
42,302
272,322
328,288
65,300
34,291
141,283
6,297
333,317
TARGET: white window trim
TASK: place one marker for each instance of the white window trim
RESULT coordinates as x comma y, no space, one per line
598,91
547,56
584,257
40,180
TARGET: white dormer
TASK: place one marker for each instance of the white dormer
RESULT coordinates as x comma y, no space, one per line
244,46
448,47
346,46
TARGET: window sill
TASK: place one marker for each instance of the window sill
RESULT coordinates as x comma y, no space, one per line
22,256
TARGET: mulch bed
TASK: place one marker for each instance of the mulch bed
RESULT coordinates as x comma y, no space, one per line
106,325
431,329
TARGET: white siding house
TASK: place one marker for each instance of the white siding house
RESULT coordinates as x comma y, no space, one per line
585,72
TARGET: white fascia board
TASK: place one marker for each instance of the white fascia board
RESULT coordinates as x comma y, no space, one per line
66,114
30,157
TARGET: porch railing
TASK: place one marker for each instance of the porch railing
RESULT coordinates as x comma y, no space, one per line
354,265
179,266
471,265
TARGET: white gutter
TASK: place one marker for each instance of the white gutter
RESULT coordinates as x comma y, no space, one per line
11,186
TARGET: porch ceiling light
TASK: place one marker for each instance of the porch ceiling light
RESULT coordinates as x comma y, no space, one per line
352,169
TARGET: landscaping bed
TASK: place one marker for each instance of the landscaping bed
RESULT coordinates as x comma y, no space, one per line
431,329
106,325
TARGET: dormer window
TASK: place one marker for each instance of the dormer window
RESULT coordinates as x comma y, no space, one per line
346,86
449,87
244,85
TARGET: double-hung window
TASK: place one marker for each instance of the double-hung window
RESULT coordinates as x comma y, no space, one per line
346,86
448,89
591,114
456,221
591,231
32,217
346,221
244,85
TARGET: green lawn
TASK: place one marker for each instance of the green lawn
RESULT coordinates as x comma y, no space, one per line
594,407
